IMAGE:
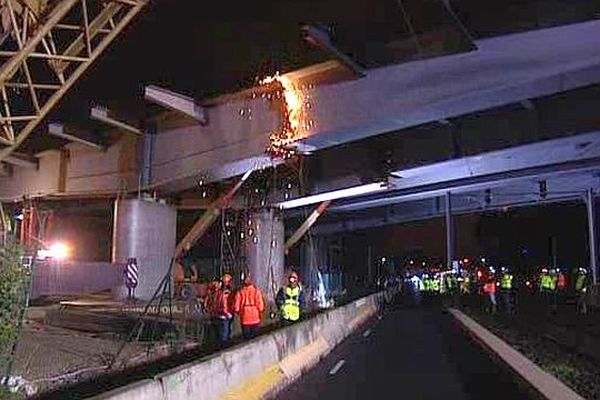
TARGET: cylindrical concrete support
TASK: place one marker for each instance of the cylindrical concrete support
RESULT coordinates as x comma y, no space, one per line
592,235
449,231
145,230
265,253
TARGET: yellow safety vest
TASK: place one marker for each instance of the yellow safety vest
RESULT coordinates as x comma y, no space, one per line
506,282
291,304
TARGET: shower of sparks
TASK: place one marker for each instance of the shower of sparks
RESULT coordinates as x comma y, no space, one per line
295,101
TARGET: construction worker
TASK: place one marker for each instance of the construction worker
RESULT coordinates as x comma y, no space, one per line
506,290
249,305
210,305
465,283
290,300
489,288
581,282
223,309
547,288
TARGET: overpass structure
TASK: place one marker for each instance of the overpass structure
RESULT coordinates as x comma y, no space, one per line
214,140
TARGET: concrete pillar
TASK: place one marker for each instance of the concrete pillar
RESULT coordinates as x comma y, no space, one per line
265,252
145,230
450,245
592,235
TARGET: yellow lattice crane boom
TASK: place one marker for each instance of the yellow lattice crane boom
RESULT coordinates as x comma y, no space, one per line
45,46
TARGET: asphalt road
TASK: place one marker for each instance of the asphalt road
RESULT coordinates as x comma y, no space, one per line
411,353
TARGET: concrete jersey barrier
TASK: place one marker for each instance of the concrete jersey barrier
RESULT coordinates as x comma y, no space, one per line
258,368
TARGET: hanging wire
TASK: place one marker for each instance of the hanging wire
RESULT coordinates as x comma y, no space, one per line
410,26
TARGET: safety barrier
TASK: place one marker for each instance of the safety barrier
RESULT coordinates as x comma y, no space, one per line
258,368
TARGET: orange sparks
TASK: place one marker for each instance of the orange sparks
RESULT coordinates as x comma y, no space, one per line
294,100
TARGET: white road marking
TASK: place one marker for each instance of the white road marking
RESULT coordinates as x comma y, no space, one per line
367,333
337,367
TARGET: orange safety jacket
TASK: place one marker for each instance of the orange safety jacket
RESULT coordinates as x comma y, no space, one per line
489,287
223,304
249,304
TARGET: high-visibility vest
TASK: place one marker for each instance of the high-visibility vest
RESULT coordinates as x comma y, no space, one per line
548,282
580,283
435,285
466,285
506,281
291,304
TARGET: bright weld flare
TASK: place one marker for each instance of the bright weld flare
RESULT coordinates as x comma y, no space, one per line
293,100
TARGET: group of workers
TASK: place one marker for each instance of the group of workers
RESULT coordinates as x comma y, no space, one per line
249,304
498,287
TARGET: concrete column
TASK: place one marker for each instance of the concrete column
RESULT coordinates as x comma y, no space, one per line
592,235
145,230
450,245
265,253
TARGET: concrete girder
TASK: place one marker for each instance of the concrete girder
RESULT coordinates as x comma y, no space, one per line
176,102
60,131
504,70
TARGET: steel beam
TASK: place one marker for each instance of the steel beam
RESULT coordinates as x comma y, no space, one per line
60,131
101,114
57,53
176,102
449,231
592,243
203,223
321,39
306,225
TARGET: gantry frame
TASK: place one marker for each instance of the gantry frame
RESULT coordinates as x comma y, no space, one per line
43,54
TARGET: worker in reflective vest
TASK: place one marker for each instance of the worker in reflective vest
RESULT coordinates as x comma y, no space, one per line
489,288
290,300
506,290
581,283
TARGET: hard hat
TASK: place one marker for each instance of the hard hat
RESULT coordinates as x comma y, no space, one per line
226,279
293,275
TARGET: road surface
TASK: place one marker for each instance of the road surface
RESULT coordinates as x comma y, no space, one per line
410,353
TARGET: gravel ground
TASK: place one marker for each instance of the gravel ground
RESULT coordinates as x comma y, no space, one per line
535,336
48,356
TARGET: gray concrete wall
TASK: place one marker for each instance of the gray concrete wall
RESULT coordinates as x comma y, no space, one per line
51,278
145,230
277,358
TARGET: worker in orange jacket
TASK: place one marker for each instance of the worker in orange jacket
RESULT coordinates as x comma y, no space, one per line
249,305
210,305
222,309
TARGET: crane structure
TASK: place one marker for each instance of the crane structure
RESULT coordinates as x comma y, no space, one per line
45,47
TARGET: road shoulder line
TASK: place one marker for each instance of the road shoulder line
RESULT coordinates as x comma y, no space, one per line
541,381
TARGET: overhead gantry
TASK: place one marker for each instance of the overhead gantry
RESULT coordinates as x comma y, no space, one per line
45,47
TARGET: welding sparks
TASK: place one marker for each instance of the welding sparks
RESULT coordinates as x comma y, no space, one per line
293,122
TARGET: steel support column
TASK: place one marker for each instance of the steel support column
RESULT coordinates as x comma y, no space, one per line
589,200
449,231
